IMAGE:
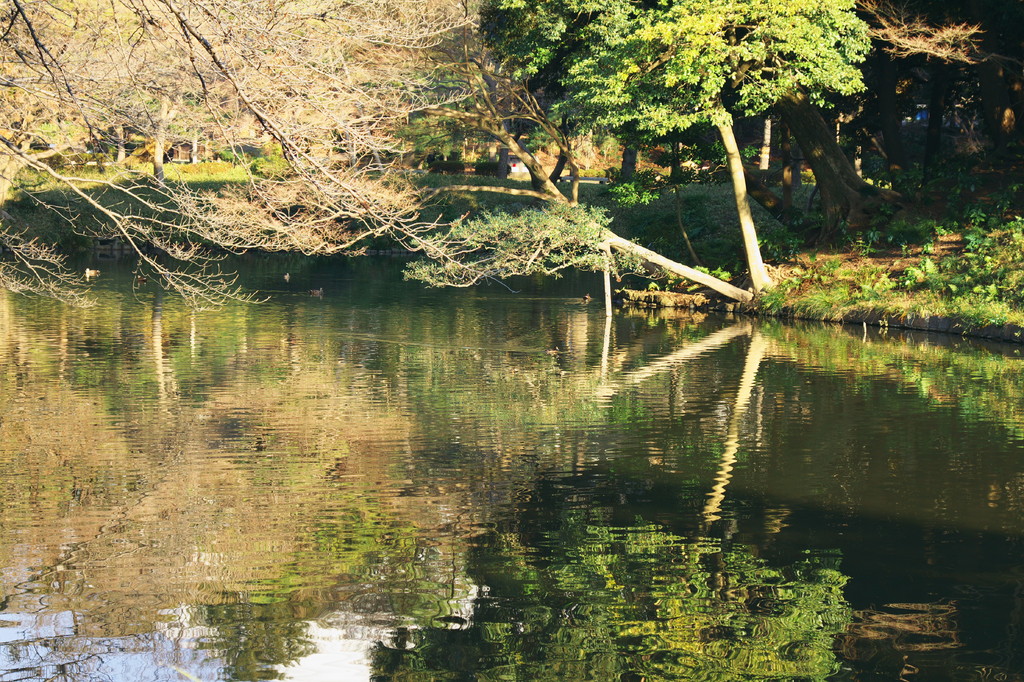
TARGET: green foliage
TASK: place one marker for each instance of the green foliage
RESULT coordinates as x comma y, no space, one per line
715,272
980,285
272,164
667,66
231,156
644,188
988,270
779,244
486,168
500,244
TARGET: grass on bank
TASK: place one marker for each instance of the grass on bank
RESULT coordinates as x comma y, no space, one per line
56,216
973,275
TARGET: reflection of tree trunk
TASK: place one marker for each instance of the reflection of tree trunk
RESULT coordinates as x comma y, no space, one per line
672,360
606,347
164,377
758,274
608,282
755,354
559,167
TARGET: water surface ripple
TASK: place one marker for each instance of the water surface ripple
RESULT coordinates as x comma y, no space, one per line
393,483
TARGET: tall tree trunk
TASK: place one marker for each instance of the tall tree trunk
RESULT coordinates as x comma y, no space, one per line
1000,119
758,274
787,167
628,164
936,114
503,163
10,166
160,141
888,109
997,112
675,174
121,152
766,145
682,227
845,197
1015,92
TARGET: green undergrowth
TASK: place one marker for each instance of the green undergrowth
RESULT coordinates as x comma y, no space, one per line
973,276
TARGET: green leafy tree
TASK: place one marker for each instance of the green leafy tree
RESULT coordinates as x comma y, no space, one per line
667,65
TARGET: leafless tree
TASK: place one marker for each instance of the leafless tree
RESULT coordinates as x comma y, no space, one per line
905,32
328,81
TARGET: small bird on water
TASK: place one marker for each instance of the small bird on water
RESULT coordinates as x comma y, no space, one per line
319,293
287,277
90,273
586,298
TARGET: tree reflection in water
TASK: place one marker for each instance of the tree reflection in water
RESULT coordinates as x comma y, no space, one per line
420,491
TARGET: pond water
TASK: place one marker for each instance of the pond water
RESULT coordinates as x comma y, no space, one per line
395,483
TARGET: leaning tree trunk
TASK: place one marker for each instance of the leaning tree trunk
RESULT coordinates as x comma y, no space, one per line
845,196
668,265
758,274
559,167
